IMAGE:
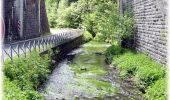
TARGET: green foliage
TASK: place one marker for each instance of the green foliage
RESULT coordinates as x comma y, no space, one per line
145,70
157,91
51,7
112,51
89,23
13,92
92,20
68,16
114,26
26,74
99,38
96,16
87,36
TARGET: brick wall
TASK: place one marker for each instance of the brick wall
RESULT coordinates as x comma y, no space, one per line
151,27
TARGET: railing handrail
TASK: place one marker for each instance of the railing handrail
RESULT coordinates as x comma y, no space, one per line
13,49
33,39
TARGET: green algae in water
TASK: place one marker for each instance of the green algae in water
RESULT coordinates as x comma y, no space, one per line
91,87
82,64
95,47
89,72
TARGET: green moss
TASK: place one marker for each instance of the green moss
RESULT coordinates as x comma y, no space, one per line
93,87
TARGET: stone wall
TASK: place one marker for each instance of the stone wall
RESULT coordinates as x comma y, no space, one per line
24,19
151,27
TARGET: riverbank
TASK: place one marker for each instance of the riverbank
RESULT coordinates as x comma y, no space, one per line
148,75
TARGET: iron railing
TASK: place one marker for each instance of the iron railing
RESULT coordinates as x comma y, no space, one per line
39,44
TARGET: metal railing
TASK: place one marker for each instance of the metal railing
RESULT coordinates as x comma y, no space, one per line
39,44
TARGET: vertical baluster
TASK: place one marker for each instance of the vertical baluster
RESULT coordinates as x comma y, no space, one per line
24,45
34,45
43,43
56,40
39,44
29,46
11,55
46,43
3,58
18,50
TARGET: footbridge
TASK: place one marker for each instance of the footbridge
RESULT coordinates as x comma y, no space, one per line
40,44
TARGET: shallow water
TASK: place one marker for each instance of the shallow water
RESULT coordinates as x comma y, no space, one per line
83,75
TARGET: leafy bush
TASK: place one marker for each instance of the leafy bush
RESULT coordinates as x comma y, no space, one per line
27,73
89,23
112,51
114,26
51,7
157,91
87,36
68,16
99,38
13,92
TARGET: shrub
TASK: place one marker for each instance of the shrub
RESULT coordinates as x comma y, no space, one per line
157,91
13,92
89,23
51,7
27,73
99,38
68,16
112,51
114,26
87,36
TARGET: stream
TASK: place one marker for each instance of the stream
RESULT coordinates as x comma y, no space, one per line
84,75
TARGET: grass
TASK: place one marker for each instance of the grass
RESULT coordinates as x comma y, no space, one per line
24,75
146,73
158,90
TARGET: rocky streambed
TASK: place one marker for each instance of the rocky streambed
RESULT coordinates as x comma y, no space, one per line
84,75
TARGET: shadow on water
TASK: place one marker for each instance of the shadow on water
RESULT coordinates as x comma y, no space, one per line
84,75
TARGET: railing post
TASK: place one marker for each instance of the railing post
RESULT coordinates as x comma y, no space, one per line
11,53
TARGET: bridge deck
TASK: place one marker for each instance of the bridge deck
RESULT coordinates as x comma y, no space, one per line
40,44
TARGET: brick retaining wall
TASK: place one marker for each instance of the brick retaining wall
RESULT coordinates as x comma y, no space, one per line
151,27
